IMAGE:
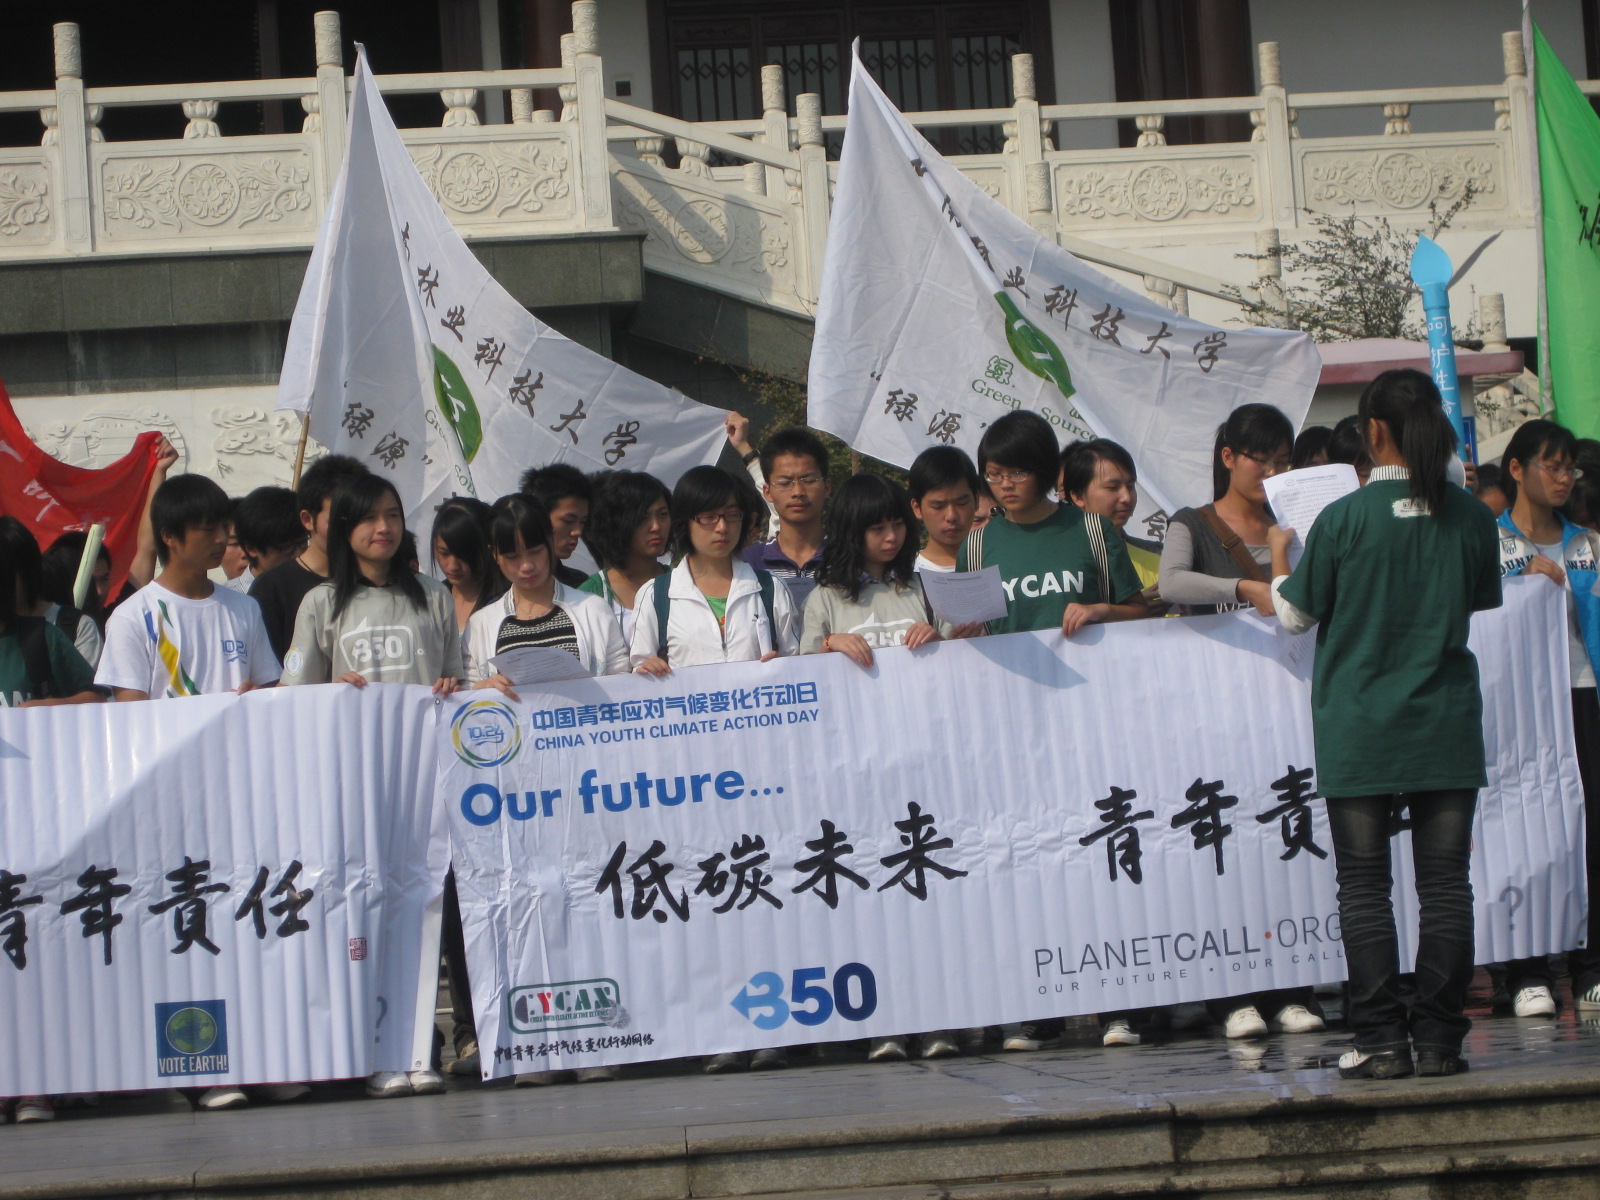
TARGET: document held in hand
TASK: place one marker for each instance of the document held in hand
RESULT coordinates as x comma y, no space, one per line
965,597
1297,498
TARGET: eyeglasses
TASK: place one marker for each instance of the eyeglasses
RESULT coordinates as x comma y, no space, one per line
1273,466
1006,476
786,484
710,520
1568,472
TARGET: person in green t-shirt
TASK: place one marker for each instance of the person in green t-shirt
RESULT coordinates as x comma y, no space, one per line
39,665
1061,568
1392,574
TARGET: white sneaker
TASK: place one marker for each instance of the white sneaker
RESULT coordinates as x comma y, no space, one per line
889,1049
425,1083
1119,1033
1590,1000
1026,1036
34,1108
385,1085
1297,1018
218,1098
1534,1002
941,1044
281,1093
595,1074
1245,1022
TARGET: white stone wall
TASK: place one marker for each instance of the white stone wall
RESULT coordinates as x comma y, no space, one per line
231,434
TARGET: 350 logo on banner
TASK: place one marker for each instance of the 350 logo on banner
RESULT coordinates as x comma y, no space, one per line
762,1002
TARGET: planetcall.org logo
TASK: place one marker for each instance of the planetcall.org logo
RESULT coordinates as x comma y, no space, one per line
192,1038
486,734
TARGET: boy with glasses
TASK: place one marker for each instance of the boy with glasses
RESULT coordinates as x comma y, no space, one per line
795,464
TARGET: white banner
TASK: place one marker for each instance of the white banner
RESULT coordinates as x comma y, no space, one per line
406,353
224,889
974,833
941,311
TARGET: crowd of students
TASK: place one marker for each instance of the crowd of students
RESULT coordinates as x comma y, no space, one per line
768,561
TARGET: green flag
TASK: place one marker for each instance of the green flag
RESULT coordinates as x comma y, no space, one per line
1569,180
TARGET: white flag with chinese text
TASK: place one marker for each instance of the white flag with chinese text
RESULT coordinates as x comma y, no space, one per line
941,311
406,353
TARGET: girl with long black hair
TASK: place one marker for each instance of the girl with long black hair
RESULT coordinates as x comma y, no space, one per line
460,547
868,594
1392,574
374,620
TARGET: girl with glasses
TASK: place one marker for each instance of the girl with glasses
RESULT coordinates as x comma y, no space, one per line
1538,473
713,606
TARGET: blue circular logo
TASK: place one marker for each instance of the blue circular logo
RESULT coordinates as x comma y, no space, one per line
486,733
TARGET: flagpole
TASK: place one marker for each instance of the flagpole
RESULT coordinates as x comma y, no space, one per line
300,451
1546,400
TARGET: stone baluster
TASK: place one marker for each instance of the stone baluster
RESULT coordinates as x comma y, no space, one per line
91,119
693,158
1396,120
51,118
73,130
1164,291
755,178
568,91
545,116
589,111
649,150
202,116
1492,317
330,107
1275,127
1517,119
1151,130
459,107
814,198
774,122
522,106
312,104
1269,278
1026,136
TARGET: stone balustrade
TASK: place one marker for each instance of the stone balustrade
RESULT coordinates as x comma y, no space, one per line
742,206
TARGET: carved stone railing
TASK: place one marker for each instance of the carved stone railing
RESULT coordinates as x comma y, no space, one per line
742,206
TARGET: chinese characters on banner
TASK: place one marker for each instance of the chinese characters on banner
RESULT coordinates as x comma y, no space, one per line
230,890
764,854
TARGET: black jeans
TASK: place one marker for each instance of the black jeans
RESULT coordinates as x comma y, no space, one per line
1441,840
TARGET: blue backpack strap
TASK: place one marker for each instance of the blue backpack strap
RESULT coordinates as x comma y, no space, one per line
663,605
764,578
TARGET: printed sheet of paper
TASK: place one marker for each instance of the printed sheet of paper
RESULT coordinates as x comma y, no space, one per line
1298,498
964,597
537,664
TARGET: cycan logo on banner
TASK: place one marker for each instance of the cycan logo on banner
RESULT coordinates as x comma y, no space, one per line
580,1004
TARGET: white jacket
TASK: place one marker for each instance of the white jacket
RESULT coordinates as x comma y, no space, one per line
600,646
693,637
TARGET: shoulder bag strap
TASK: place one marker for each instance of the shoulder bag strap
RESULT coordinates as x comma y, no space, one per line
663,604
764,578
1232,543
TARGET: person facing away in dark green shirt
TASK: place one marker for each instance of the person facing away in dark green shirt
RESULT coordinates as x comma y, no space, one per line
1393,573
1059,566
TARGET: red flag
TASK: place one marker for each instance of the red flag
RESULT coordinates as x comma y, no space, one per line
51,498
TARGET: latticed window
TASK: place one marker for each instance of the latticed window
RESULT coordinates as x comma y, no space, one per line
926,56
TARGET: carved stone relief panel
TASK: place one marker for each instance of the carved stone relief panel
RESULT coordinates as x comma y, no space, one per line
160,196
1404,180
1100,194
26,211
499,181
994,182
693,227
